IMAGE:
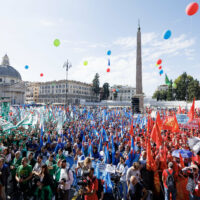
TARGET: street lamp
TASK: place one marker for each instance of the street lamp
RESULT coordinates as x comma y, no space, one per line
67,65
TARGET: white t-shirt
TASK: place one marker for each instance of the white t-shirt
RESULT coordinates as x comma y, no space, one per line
68,176
123,169
132,172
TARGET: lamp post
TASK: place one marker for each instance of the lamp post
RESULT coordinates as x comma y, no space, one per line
66,65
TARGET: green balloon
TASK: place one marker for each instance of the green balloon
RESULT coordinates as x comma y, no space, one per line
85,63
56,42
174,85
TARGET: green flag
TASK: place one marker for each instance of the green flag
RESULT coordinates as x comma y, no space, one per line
167,82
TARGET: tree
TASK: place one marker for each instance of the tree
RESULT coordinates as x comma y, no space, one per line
193,90
95,84
106,91
170,92
160,95
182,83
185,87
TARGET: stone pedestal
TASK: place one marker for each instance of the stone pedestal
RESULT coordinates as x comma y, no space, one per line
141,102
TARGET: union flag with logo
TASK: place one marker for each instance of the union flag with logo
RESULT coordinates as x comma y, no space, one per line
171,124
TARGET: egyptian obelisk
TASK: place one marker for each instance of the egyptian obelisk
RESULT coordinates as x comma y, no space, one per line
139,93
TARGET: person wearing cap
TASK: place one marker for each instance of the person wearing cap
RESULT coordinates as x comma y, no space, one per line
165,176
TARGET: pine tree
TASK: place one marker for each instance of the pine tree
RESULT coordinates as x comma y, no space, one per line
95,84
106,91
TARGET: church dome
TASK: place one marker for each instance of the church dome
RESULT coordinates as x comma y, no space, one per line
7,70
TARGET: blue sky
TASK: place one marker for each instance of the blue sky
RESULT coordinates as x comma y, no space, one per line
88,28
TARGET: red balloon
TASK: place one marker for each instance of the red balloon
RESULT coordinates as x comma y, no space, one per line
108,70
160,67
114,90
159,62
192,8
41,74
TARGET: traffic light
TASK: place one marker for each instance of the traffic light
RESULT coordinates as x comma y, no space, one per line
135,102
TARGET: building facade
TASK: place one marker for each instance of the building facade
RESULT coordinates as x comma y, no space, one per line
162,88
32,92
11,85
55,92
121,93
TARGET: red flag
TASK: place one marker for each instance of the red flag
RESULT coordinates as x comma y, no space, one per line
149,156
171,124
131,129
148,126
179,110
191,112
181,161
159,121
156,135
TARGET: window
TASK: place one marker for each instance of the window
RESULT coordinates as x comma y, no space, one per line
59,86
12,81
0,79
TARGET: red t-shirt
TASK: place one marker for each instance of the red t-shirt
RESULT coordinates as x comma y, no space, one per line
165,175
92,186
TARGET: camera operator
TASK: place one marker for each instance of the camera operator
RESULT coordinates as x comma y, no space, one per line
193,185
92,188
65,182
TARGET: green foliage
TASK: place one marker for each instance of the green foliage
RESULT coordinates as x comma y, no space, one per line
170,92
106,91
160,95
95,84
185,88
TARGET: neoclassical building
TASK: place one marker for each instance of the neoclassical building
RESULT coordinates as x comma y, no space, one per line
11,85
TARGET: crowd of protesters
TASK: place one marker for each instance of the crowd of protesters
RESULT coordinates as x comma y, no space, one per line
42,163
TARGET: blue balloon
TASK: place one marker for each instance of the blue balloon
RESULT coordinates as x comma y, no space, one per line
117,90
109,52
167,34
26,67
161,71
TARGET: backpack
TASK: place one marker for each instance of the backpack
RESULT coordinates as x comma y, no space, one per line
100,188
170,180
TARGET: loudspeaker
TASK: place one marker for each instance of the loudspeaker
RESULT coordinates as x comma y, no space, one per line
135,105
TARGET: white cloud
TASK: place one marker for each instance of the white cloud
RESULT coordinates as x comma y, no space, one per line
124,61
47,23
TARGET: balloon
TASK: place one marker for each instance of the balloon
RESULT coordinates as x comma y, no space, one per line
167,34
161,72
114,90
56,42
109,52
41,75
159,62
108,70
85,63
108,62
174,85
26,67
117,90
160,67
192,8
